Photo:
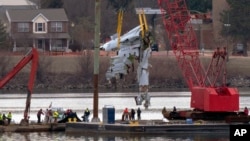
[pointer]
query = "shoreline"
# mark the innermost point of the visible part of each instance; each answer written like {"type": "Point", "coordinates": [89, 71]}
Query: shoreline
{"type": "Point", "coordinates": [243, 90]}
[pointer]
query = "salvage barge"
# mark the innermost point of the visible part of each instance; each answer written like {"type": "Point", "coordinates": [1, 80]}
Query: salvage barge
{"type": "Point", "coordinates": [147, 127]}
{"type": "Point", "coordinates": [33, 128]}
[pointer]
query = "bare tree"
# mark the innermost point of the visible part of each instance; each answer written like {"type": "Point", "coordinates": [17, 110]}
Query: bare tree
{"type": "Point", "coordinates": [82, 33]}
{"type": "Point", "coordinates": [43, 69]}
{"type": "Point", "coordinates": [4, 61]}
{"type": "Point", "coordinates": [85, 66]}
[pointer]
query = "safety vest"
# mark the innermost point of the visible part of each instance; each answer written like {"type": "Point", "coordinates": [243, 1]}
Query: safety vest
{"type": "Point", "coordinates": [55, 114]}
{"type": "Point", "coordinates": [1, 117]}
{"type": "Point", "coordinates": [9, 116]}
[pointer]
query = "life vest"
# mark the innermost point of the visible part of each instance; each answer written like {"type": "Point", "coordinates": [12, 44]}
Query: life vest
{"type": "Point", "coordinates": [126, 110]}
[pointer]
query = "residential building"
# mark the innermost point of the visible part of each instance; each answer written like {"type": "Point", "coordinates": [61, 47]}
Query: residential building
{"type": "Point", "coordinates": [14, 4]}
{"type": "Point", "coordinates": [45, 29]}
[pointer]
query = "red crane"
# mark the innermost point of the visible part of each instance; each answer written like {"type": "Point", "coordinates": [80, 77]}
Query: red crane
{"type": "Point", "coordinates": [30, 56]}
{"type": "Point", "coordinates": [209, 92]}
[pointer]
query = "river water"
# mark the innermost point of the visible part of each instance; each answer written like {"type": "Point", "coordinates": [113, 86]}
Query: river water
{"type": "Point", "coordinates": [79, 101]}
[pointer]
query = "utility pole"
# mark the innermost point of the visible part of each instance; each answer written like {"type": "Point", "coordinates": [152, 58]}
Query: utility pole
{"type": "Point", "coordinates": [227, 25]}
{"type": "Point", "coordinates": [96, 60]}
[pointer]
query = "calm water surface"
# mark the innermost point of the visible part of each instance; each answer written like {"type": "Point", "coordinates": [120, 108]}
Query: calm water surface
{"type": "Point", "coordinates": [79, 101]}
{"type": "Point", "coordinates": [61, 136]}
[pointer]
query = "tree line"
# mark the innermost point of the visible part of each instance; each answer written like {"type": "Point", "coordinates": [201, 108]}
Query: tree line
{"type": "Point", "coordinates": [81, 15]}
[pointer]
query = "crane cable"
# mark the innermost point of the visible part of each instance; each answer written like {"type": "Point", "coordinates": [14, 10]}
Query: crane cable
{"type": "Point", "coordinates": [119, 26]}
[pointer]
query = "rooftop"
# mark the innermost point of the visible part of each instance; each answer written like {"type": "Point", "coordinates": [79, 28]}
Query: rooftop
{"type": "Point", "coordinates": [30, 14]}
{"type": "Point", "coordinates": [15, 2]}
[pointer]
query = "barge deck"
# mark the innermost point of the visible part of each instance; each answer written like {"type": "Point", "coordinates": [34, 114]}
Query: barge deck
{"type": "Point", "coordinates": [33, 128]}
{"type": "Point", "coordinates": [147, 127]}
{"type": "Point", "coordinates": [127, 127]}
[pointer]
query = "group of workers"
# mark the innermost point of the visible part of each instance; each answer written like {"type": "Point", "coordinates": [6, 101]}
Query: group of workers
{"type": "Point", "coordinates": [125, 116]}
{"type": "Point", "coordinates": [5, 120]}
{"type": "Point", "coordinates": [49, 116]}
{"type": "Point", "coordinates": [131, 115]}
{"type": "Point", "coordinates": [52, 116]}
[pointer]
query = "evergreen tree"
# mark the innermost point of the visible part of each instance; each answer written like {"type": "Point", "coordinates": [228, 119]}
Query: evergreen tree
{"type": "Point", "coordinates": [236, 22]}
{"type": "Point", "coordinates": [51, 3]}
{"type": "Point", "coordinates": [199, 5]}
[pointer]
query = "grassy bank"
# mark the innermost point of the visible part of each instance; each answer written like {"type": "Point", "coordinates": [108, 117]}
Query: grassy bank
{"type": "Point", "coordinates": [75, 72]}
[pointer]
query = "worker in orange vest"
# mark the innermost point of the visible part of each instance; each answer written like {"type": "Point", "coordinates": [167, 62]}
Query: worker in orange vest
{"type": "Point", "coordinates": [246, 111]}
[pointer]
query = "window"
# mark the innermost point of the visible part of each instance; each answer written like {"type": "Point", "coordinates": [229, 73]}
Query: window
{"type": "Point", "coordinates": [56, 27]}
{"type": "Point", "coordinates": [59, 43]}
{"type": "Point", "coordinates": [23, 27]}
{"type": "Point", "coordinates": [40, 27]}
